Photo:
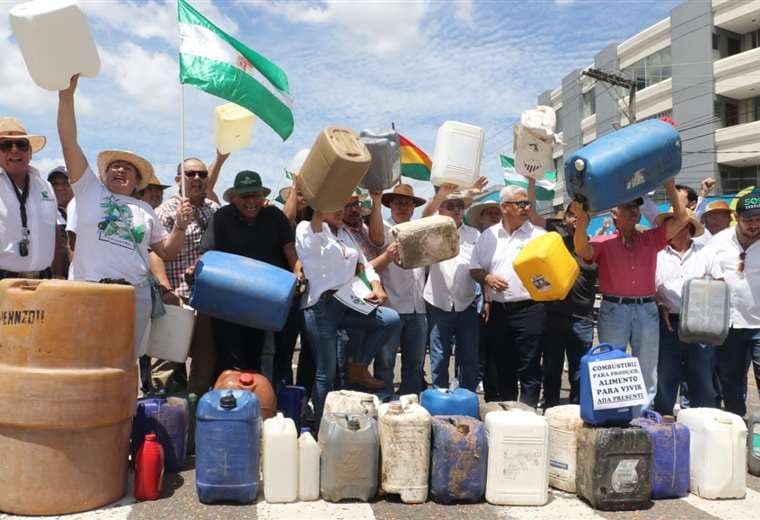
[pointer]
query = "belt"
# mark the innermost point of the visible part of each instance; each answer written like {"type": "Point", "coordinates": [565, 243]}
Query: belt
{"type": "Point", "coordinates": [34, 275]}
{"type": "Point", "coordinates": [621, 299]}
{"type": "Point", "coordinates": [516, 306]}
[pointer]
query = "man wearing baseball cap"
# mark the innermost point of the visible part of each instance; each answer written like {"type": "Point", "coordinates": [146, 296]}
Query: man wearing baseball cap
{"type": "Point", "coordinates": [737, 250]}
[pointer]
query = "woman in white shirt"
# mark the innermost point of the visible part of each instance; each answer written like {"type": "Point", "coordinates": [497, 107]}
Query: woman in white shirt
{"type": "Point", "coordinates": [331, 259]}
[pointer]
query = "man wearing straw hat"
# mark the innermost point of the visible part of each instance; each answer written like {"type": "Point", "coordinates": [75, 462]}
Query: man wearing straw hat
{"type": "Point", "coordinates": [115, 230]}
{"type": "Point", "coordinates": [716, 217]}
{"type": "Point", "coordinates": [153, 193]}
{"type": "Point", "coordinates": [30, 247]}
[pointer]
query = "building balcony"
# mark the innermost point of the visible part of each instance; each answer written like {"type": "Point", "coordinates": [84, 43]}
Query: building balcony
{"type": "Point", "coordinates": [588, 129]}
{"type": "Point", "coordinates": [648, 41]}
{"type": "Point", "coordinates": [739, 16]}
{"type": "Point", "coordinates": [738, 145]}
{"type": "Point", "coordinates": [738, 76]}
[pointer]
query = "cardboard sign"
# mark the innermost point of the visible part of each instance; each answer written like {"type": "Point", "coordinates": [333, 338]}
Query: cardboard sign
{"type": "Point", "coordinates": [617, 383]}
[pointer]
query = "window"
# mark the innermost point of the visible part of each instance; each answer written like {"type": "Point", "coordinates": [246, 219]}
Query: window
{"type": "Point", "coordinates": [558, 114]}
{"type": "Point", "coordinates": [734, 46]}
{"type": "Point", "coordinates": [589, 104]}
{"type": "Point", "coordinates": [650, 70]}
{"type": "Point", "coordinates": [715, 42]}
{"type": "Point", "coordinates": [756, 111]}
{"type": "Point", "coordinates": [754, 39]}
{"type": "Point", "coordinates": [732, 114]}
{"type": "Point", "coordinates": [736, 179]}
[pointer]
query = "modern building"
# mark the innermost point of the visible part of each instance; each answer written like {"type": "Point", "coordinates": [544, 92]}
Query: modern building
{"type": "Point", "coordinates": [701, 67]}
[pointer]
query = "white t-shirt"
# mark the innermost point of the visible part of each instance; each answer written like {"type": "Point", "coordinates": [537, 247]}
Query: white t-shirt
{"type": "Point", "coordinates": [449, 283]}
{"type": "Point", "coordinates": [113, 233]}
{"type": "Point", "coordinates": [673, 270]}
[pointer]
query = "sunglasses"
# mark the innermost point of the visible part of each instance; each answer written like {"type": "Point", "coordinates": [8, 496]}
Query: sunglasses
{"type": "Point", "coordinates": [190, 174]}
{"type": "Point", "coordinates": [22, 145]}
{"type": "Point", "coordinates": [454, 204]}
{"type": "Point", "coordinates": [522, 204]}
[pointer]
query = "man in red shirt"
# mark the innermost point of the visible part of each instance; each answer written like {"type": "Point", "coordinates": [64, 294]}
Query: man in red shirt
{"type": "Point", "coordinates": [627, 262]}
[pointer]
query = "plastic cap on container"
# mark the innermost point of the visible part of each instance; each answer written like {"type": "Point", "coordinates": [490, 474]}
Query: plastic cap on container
{"type": "Point", "coordinates": [580, 165]}
{"type": "Point", "coordinates": [150, 437]}
{"type": "Point", "coordinates": [305, 429]}
{"type": "Point", "coordinates": [228, 401]}
{"type": "Point", "coordinates": [246, 379]}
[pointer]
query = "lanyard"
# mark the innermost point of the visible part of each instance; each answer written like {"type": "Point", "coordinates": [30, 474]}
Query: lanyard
{"type": "Point", "coordinates": [22, 196]}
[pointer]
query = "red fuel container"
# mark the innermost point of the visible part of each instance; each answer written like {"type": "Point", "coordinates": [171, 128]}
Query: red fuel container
{"type": "Point", "coordinates": [149, 469]}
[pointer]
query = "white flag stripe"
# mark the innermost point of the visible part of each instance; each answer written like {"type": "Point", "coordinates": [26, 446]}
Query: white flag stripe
{"type": "Point", "coordinates": [196, 40]}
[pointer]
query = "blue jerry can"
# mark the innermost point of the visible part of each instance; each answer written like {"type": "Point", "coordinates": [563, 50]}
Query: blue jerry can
{"type": "Point", "coordinates": [623, 165]}
{"type": "Point", "coordinates": [459, 459]}
{"type": "Point", "coordinates": [168, 418]}
{"type": "Point", "coordinates": [670, 454]}
{"type": "Point", "coordinates": [612, 416]}
{"type": "Point", "coordinates": [442, 401]}
{"type": "Point", "coordinates": [290, 402]}
{"type": "Point", "coordinates": [227, 437]}
{"type": "Point", "coordinates": [242, 290]}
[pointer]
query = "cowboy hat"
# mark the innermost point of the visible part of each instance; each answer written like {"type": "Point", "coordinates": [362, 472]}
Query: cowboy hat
{"type": "Point", "coordinates": [699, 229]}
{"type": "Point", "coordinates": [401, 190]}
{"type": "Point", "coordinates": [144, 168]}
{"type": "Point", "coordinates": [11, 128]}
{"type": "Point", "coordinates": [472, 217]}
{"type": "Point", "coordinates": [154, 181]}
{"type": "Point", "coordinates": [716, 206]}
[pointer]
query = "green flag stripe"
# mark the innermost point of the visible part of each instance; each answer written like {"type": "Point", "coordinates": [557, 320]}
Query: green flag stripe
{"type": "Point", "coordinates": [415, 171]}
{"type": "Point", "coordinates": [221, 79]}
{"type": "Point", "coordinates": [275, 75]}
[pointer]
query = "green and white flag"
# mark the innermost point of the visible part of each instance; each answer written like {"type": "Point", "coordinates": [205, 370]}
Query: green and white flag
{"type": "Point", "coordinates": [217, 63]}
{"type": "Point", "coordinates": [544, 187]}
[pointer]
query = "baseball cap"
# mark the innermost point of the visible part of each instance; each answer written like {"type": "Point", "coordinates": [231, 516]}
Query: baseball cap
{"type": "Point", "coordinates": [748, 205]}
{"type": "Point", "coordinates": [60, 170]}
{"type": "Point", "coordinates": [248, 181]}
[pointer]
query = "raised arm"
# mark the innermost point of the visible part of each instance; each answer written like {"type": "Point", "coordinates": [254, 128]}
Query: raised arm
{"type": "Point", "coordinates": [444, 190]}
{"type": "Point", "coordinates": [213, 174]}
{"type": "Point", "coordinates": [73, 156]}
{"type": "Point", "coordinates": [376, 228]}
{"type": "Point", "coordinates": [680, 215]}
{"type": "Point", "coordinates": [580, 238]}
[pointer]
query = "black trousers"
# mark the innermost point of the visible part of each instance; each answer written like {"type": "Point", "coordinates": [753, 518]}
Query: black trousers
{"type": "Point", "coordinates": [513, 343]}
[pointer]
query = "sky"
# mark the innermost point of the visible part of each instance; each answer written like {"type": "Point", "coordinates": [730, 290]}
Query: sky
{"type": "Point", "coordinates": [356, 64]}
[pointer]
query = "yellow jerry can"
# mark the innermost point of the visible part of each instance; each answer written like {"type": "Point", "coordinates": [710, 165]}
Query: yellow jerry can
{"type": "Point", "coordinates": [546, 268]}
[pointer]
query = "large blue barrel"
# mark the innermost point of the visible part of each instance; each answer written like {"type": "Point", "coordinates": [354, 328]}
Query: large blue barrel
{"type": "Point", "coordinates": [459, 456]}
{"type": "Point", "coordinates": [227, 447]}
{"type": "Point", "coordinates": [439, 401]}
{"type": "Point", "coordinates": [242, 290]}
{"type": "Point", "coordinates": [612, 416]}
{"type": "Point", "coordinates": [623, 165]}
{"type": "Point", "coordinates": [670, 454]}
{"type": "Point", "coordinates": [168, 418]}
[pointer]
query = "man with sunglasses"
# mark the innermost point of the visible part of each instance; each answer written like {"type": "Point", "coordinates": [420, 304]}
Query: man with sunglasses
{"type": "Point", "coordinates": [737, 250]}
{"type": "Point", "coordinates": [515, 322]}
{"type": "Point", "coordinates": [30, 246]}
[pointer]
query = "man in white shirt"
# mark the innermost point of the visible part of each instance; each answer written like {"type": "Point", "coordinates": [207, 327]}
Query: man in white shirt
{"type": "Point", "coordinates": [30, 247]}
{"type": "Point", "coordinates": [682, 259]}
{"type": "Point", "coordinates": [404, 288]}
{"type": "Point", "coordinates": [737, 251]}
{"type": "Point", "coordinates": [515, 322]}
{"type": "Point", "coordinates": [452, 298]}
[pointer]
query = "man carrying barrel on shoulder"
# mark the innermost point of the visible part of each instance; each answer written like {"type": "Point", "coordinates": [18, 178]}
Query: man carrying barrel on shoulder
{"type": "Point", "coordinates": [627, 262]}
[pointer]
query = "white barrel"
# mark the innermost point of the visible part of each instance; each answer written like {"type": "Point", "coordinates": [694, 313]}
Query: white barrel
{"type": "Point", "coordinates": [233, 127]}
{"type": "Point", "coordinates": [55, 40]}
{"type": "Point", "coordinates": [171, 334]}
{"type": "Point", "coordinates": [309, 453]}
{"type": "Point", "coordinates": [457, 155]}
{"type": "Point", "coordinates": [564, 423]}
{"type": "Point", "coordinates": [280, 460]}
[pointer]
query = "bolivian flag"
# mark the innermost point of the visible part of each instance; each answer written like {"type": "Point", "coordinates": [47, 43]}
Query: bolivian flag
{"type": "Point", "coordinates": [414, 162]}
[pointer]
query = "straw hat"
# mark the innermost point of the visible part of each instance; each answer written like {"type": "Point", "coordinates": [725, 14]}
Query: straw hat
{"type": "Point", "coordinates": [144, 168]}
{"type": "Point", "coordinates": [472, 217]}
{"type": "Point", "coordinates": [401, 190]}
{"type": "Point", "coordinates": [717, 206]}
{"type": "Point", "coordinates": [699, 229]}
{"type": "Point", "coordinates": [11, 128]}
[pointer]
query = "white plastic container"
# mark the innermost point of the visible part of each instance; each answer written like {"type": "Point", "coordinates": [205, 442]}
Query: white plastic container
{"type": "Point", "coordinates": [718, 453]}
{"type": "Point", "coordinates": [351, 402]}
{"type": "Point", "coordinates": [55, 40]}
{"type": "Point", "coordinates": [233, 127]}
{"type": "Point", "coordinates": [280, 460]}
{"type": "Point", "coordinates": [308, 466]}
{"type": "Point", "coordinates": [171, 334]}
{"type": "Point", "coordinates": [518, 459]}
{"type": "Point", "coordinates": [457, 155]}
{"type": "Point", "coordinates": [564, 423]}
{"type": "Point", "coordinates": [405, 447]}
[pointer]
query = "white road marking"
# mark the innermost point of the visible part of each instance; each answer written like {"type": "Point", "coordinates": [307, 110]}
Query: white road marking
{"type": "Point", "coordinates": [316, 510]}
{"type": "Point", "coordinates": [561, 505]}
{"type": "Point", "coordinates": [735, 509]}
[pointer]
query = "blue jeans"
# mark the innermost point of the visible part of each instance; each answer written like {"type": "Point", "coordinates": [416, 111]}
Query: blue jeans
{"type": "Point", "coordinates": [678, 361]}
{"type": "Point", "coordinates": [446, 329]}
{"type": "Point", "coordinates": [639, 325]}
{"type": "Point", "coordinates": [741, 347]}
{"type": "Point", "coordinates": [564, 335]}
{"type": "Point", "coordinates": [322, 321]}
{"type": "Point", "coordinates": [411, 336]}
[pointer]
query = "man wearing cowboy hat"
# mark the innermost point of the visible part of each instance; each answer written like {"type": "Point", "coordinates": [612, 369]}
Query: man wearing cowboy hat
{"type": "Point", "coordinates": [153, 193]}
{"type": "Point", "coordinates": [716, 217]}
{"type": "Point", "coordinates": [680, 261]}
{"type": "Point", "coordinates": [404, 288]}
{"type": "Point", "coordinates": [30, 247]}
{"type": "Point", "coordinates": [247, 227]}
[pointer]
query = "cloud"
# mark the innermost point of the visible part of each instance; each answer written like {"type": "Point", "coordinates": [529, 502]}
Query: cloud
{"type": "Point", "coordinates": [45, 164]}
{"type": "Point", "coordinates": [463, 10]}
{"type": "Point", "coordinates": [564, 2]}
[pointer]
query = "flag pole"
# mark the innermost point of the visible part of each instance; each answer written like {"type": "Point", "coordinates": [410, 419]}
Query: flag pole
{"type": "Point", "coordinates": [181, 139]}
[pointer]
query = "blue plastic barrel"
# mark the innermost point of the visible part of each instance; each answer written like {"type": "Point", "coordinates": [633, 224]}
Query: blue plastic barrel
{"type": "Point", "coordinates": [168, 418]}
{"type": "Point", "coordinates": [670, 454]}
{"type": "Point", "coordinates": [459, 450]}
{"type": "Point", "coordinates": [440, 401]}
{"type": "Point", "coordinates": [227, 436]}
{"type": "Point", "coordinates": [290, 401]}
{"type": "Point", "coordinates": [242, 290]}
{"type": "Point", "coordinates": [623, 165]}
{"type": "Point", "coordinates": [611, 416]}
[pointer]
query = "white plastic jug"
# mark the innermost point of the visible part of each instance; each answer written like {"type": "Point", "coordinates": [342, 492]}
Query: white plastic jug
{"type": "Point", "coordinates": [308, 466]}
{"type": "Point", "coordinates": [518, 459]}
{"type": "Point", "coordinates": [351, 402]}
{"type": "Point", "coordinates": [718, 452]}
{"type": "Point", "coordinates": [55, 40]}
{"type": "Point", "coordinates": [171, 334]}
{"type": "Point", "coordinates": [233, 127]}
{"type": "Point", "coordinates": [405, 446]}
{"type": "Point", "coordinates": [564, 423]}
{"type": "Point", "coordinates": [280, 460]}
{"type": "Point", "coordinates": [457, 155]}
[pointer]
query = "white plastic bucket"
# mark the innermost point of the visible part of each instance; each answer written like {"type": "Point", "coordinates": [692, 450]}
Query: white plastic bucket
{"type": "Point", "coordinates": [171, 334]}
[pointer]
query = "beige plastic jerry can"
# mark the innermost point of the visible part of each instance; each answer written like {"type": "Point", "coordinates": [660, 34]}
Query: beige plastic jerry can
{"type": "Point", "coordinates": [233, 127]}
